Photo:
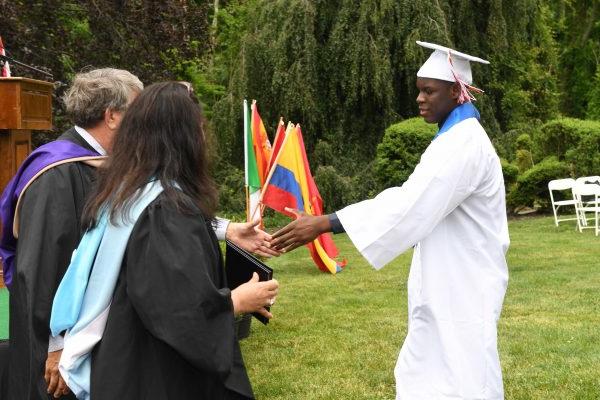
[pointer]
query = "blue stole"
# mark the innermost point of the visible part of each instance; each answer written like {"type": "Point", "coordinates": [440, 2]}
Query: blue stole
{"type": "Point", "coordinates": [82, 301]}
{"type": "Point", "coordinates": [459, 114]}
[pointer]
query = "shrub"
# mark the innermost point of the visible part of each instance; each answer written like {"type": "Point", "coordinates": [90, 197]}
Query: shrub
{"type": "Point", "coordinates": [510, 172]}
{"type": "Point", "coordinates": [524, 142]}
{"type": "Point", "coordinates": [323, 153]}
{"type": "Point", "coordinates": [585, 158]}
{"type": "Point", "coordinates": [532, 186]}
{"type": "Point", "coordinates": [232, 198]}
{"type": "Point", "coordinates": [523, 160]}
{"type": "Point", "coordinates": [400, 150]}
{"type": "Point", "coordinates": [333, 187]}
{"type": "Point", "coordinates": [559, 136]}
{"type": "Point", "coordinates": [519, 137]}
{"type": "Point", "coordinates": [363, 185]}
{"type": "Point", "coordinates": [593, 107]}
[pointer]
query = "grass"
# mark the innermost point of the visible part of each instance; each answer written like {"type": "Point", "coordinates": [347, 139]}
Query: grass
{"type": "Point", "coordinates": [338, 337]}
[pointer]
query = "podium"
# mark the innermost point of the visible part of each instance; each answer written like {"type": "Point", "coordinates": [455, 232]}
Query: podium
{"type": "Point", "coordinates": [25, 106]}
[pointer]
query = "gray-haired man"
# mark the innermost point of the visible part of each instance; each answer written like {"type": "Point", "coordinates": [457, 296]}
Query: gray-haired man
{"type": "Point", "coordinates": [49, 229]}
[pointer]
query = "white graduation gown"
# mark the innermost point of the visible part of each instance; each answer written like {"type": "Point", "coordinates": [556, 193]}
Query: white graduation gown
{"type": "Point", "coordinates": [452, 209]}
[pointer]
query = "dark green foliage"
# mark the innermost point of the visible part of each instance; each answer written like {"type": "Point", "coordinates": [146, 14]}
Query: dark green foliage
{"type": "Point", "coordinates": [232, 197]}
{"type": "Point", "coordinates": [339, 190]}
{"type": "Point", "coordinates": [562, 136]}
{"type": "Point", "coordinates": [523, 160]}
{"type": "Point", "coordinates": [364, 184]}
{"type": "Point", "coordinates": [155, 40]}
{"type": "Point", "coordinates": [593, 109]}
{"type": "Point", "coordinates": [400, 150]}
{"type": "Point", "coordinates": [346, 69]}
{"type": "Point", "coordinates": [585, 157]}
{"type": "Point", "coordinates": [524, 142]}
{"type": "Point", "coordinates": [532, 186]}
{"type": "Point", "coordinates": [333, 187]}
{"type": "Point", "coordinates": [577, 32]}
{"type": "Point", "coordinates": [510, 172]}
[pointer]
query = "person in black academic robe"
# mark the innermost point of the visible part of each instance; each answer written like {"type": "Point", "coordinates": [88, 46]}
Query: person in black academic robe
{"type": "Point", "coordinates": [50, 228]}
{"type": "Point", "coordinates": [170, 330]}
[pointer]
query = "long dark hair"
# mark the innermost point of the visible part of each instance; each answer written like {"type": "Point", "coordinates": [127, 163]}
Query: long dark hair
{"type": "Point", "coordinates": [160, 137]}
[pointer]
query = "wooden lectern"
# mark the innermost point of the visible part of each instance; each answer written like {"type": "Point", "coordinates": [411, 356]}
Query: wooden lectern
{"type": "Point", "coordinates": [25, 106]}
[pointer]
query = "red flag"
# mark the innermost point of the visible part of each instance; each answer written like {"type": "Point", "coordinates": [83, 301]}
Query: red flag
{"type": "Point", "coordinates": [279, 136]}
{"type": "Point", "coordinates": [5, 68]}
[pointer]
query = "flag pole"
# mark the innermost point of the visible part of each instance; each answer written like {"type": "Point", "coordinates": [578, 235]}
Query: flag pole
{"type": "Point", "coordinates": [245, 105]}
{"type": "Point", "coordinates": [276, 136]}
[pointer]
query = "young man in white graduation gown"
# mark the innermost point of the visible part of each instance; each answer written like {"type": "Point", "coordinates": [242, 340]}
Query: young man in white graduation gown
{"type": "Point", "coordinates": [452, 210]}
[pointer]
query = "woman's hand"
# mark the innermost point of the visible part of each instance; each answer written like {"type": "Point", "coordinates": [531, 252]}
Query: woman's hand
{"type": "Point", "coordinates": [254, 296]}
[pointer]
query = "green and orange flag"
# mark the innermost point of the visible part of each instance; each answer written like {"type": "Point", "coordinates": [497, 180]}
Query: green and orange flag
{"type": "Point", "coordinates": [257, 154]}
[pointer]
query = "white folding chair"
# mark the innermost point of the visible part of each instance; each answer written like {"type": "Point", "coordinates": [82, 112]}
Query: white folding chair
{"type": "Point", "coordinates": [561, 185]}
{"type": "Point", "coordinates": [588, 201]}
{"type": "Point", "coordinates": [587, 179]}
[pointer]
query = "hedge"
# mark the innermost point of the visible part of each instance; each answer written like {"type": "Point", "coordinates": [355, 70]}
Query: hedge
{"type": "Point", "coordinates": [400, 150]}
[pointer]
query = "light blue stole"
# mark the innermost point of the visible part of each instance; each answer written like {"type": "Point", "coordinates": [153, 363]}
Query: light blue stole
{"type": "Point", "coordinates": [83, 298]}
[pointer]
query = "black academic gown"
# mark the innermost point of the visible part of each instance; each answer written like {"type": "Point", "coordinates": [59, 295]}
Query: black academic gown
{"type": "Point", "coordinates": [170, 330]}
{"type": "Point", "coordinates": [50, 229]}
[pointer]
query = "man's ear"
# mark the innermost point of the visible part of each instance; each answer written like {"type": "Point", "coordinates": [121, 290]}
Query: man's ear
{"type": "Point", "coordinates": [111, 119]}
{"type": "Point", "coordinates": [455, 91]}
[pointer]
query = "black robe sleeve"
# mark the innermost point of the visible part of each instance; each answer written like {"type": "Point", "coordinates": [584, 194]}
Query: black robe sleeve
{"type": "Point", "coordinates": [176, 285]}
{"type": "Point", "coordinates": [50, 214]}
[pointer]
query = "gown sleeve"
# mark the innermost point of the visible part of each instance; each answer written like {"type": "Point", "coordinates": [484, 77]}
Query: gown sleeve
{"type": "Point", "coordinates": [49, 232]}
{"type": "Point", "coordinates": [398, 218]}
{"type": "Point", "coordinates": [172, 281]}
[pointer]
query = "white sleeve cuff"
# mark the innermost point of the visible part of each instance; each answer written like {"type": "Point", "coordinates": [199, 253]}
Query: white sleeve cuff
{"type": "Point", "coordinates": [221, 227]}
{"type": "Point", "coordinates": [55, 343]}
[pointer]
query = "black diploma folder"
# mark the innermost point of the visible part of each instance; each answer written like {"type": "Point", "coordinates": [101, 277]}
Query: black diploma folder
{"type": "Point", "coordinates": [239, 266]}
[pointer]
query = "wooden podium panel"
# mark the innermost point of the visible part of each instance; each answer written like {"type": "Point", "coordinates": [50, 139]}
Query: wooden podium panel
{"type": "Point", "coordinates": [15, 146]}
{"type": "Point", "coordinates": [25, 105]}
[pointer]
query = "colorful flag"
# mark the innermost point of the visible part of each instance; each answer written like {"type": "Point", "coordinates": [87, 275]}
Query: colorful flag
{"type": "Point", "coordinates": [5, 68]}
{"type": "Point", "coordinates": [252, 178]}
{"type": "Point", "coordinates": [290, 184]}
{"type": "Point", "coordinates": [261, 144]}
{"type": "Point", "coordinates": [279, 136]}
{"type": "Point", "coordinates": [257, 152]}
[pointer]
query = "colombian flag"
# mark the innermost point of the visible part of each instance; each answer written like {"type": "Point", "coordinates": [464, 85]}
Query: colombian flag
{"type": "Point", "coordinates": [292, 185]}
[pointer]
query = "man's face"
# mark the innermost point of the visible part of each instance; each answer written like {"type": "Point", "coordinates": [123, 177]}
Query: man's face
{"type": "Point", "coordinates": [436, 99]}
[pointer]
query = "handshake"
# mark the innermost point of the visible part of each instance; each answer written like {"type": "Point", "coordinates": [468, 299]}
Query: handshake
{"type": "Point", "coordinates": [304, 229]}
{"type": "Point", "coordinates": [255, 296]}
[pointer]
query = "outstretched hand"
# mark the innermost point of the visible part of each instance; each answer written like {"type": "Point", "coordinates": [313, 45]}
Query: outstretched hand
{"type": "Point", "coordinates": [251, 238]}
{"type": "Point", "coordinates": [304, 229]}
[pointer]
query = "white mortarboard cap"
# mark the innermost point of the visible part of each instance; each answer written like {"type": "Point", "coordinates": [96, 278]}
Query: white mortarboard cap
{"type": "Point", "coordinates": [438, 64]}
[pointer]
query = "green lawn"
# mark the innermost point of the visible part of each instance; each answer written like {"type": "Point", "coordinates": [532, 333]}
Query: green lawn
{"type": "Point", "coordinates": [337, 337]}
